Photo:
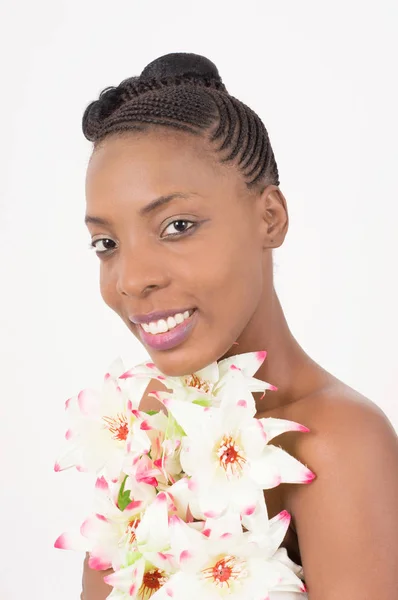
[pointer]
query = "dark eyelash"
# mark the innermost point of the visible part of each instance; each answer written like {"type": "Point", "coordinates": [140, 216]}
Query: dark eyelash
{"type": "Point", "coordinates": [180, 233]}
{"type": "Point", "coordinates": [177, 234]}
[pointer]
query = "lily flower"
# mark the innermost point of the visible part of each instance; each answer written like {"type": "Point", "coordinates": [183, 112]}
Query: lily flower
{"type": "Point", "coordinates": [226, 452]}
{"type": "Point", "coordinates": [146, 570]}
{"type": "Point", "coordinates": [208, 384]}
{"type": "Point", "coordinates": [227, 562]}
{"type": "Point", "coordinates": [100, 422]}
{"type": "Point", "coordinates": [111, 531]}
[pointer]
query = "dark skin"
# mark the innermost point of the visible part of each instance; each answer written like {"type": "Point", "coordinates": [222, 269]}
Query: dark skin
{"type": "Point", "coordinates": [345, 523]}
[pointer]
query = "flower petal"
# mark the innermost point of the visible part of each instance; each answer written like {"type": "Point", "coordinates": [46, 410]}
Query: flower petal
{"type": "Point", "coordinates": [274, 427]}
{"type": "Point", "coordinates": [276, 466]}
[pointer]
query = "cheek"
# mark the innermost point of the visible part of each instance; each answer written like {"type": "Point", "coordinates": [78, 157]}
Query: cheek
{"type": "Point", "coordinates": [108, 288]}
{"type": "Point", "coordinates": [232, 281]}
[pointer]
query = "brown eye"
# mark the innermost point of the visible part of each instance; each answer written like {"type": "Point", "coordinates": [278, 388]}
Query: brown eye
{"type": "Point", "coordinates": [181, 226]}
{"type": "Point", "coordinates": [106, 243]}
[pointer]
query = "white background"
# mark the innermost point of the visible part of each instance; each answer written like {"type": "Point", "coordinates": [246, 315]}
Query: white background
{"type": "Point", "coordinates": [322, 76]}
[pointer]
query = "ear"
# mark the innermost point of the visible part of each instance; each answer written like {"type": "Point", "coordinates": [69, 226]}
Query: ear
{"type": "Point", "coordinates": [274, 216]}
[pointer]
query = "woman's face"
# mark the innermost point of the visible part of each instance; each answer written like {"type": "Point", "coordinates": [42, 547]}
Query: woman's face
{"type": "Point", "coordinates": [211, 260]}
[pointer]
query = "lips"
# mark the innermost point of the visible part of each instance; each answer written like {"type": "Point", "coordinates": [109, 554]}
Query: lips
{"type": "Point", "coordinates": [171, 338]}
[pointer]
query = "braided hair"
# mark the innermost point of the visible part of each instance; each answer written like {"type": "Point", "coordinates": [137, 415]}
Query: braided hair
{"type": "Point", "coordinates": [185, 92]}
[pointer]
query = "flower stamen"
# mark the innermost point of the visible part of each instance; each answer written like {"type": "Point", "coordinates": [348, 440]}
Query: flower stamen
{"type": "Point", "coordinates": [152, 582]}
{"type": "Point", "coordinates": [230, 455]}
{"type": "Point", "coordinates": [118, 426]}
{"type": "Point", "coordinates": [226, 571]}
{"type": "Point", "coordinates": [198, 383]}
{"type": "Point", "coordinates": [131, 527]}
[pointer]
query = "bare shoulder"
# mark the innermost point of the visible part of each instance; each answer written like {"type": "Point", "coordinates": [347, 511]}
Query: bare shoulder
{"type": "Point", "coordinates": [346, 518]}
{"type": "Point", "coordinates": [337, 416]}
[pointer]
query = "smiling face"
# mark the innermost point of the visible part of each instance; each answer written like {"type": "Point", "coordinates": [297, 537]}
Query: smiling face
{"type": "Point", "coordinates": [204, 249]}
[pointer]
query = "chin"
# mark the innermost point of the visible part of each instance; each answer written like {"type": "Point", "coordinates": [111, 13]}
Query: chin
{"type": "Point", "coordinates": [179, 362]}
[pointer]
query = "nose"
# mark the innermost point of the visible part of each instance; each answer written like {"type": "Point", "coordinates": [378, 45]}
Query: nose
{"type": "Point", "coordinates": [139, 273]}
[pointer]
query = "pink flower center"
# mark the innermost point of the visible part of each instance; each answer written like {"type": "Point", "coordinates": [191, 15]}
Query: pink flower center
{"type": "Point", "coordinates": [152, 582]}
{"type": "Point", "coordinates": [230, 455]}
{"type": "Point", "coordinates": [118, 426]}
{"type": "Point", "coordinates": [226, 570]}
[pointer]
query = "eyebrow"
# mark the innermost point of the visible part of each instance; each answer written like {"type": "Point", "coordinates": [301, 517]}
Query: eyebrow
{"type": "Point", "coordinates": [145, 210]}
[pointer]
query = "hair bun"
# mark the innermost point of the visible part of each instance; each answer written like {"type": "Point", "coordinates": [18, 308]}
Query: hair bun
{"type": "Point", "coordinates": [182, 64]}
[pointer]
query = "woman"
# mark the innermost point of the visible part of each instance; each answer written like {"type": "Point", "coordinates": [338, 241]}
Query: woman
{"type": "Point", "coordinates": [184, 210]}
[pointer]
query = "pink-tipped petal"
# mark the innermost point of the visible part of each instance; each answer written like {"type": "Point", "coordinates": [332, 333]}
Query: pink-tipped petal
{"type": "Point", "coordinates": [102, 484]}
{"type": "Point", "coordinates": [175, 520]}
{"type": "Point", "coordinates": [61, 542]}
{"type": "Point", "coordinates": [134, 505]}
{"type": "Point", "coordinates": [249, 510]}
{"type": "Point", "coordinates": [192, 485]}
{"type": "Point", "coordinates": [210, 514]}
{"type": "Point", "coordinates": [206, 532]}
{"type": "Point", "coordinates": [101, 517]}
{"type": "Point", "coordinates": [242, 403]}
{"type": "Point", "coordinates": [127, 374]}
{"type": "Point", "coordinates": [71, 541]}
{"type": "Point", "coordinates": [57, 467]}
{"type": "Point", "coordinates": [285, 516]}
{"type": "Point", "coordinates": [262, 430]}
{"type": "Point", "coordinates": [185, 555]}
{"type": "Point", "coordinates": [145, 426]}
{"type": "Point", "coordinates": [82, 469]}
{"type": "Point", "coordinates": [165, 556]}
{"type": "Point", "coordinates": [310, 476]}
{"type": "Point", "coordinates": [97, 564]}
{"type": "Point", "coordinates": [261, 355]}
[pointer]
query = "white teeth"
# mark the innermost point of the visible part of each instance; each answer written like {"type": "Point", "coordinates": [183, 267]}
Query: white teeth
{"type": "Point", "coordinates": [171, 323]}
{"type": "Point", "coordinates": [163, 325]}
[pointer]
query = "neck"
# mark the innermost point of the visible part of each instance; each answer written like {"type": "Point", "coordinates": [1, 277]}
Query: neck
{"type": "Point", "coordinates": [287, 365]}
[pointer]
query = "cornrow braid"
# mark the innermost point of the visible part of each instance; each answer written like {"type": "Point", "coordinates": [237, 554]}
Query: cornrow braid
{"type": "Point", "coordinates": [185, 91]}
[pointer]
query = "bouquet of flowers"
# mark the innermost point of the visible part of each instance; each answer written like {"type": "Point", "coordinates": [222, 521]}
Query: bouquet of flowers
{"type": "Point", "coordinates": [179, 509]}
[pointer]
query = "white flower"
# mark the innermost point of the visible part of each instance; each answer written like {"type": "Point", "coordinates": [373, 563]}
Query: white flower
{"type": "Point", "coordinates": [99, 425]}
{"type": "Point", "coordinates": [151, 565]}
{"type": "Point", "coordinates": [227, 562]}
{"type": "Point", "coordinates": [209, 384]}
{"type": "Point", "coordinates": [227, 453]}
{"type": "Point", "coordinates": [111, 531]}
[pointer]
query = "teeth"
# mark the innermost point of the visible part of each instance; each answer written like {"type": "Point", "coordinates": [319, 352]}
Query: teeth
{"type": "Point", "coordinates": [163, 325]}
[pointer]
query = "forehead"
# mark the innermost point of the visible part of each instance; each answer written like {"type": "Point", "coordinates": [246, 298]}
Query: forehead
{"type": "Point", "coordinates": [149, 164]}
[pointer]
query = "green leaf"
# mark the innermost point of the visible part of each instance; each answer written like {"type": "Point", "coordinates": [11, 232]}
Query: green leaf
{"type": "Point", "coordinates": [173, 428]}
{"type": "Point", "coordinates": [131, 557]}
{"type": "Point", "coordinates": [202, 402]}
{"type": "Point", "coordinates": [123, 498]}
{"type": "Point", "coordinates": [152, 412]}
